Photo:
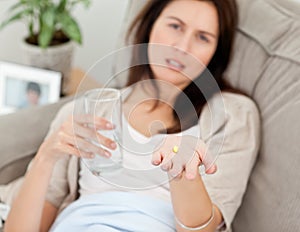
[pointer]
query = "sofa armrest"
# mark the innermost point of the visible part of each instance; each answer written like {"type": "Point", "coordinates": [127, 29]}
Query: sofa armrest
{"type": "Point", "coordinates": [21, 135]}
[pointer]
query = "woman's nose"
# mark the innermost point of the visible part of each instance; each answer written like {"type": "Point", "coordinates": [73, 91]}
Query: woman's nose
{"type": "Point", "coordinates": [183, 43]}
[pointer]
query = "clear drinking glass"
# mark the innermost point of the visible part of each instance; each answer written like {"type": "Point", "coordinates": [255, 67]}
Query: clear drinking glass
{"type": "Point", "coordinates": [106, 103]}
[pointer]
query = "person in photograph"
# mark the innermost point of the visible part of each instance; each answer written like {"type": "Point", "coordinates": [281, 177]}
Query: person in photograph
{"type": "Point", "coordinates": [59, 193]}
{"type": "Point", "coordinates": [33, 94]}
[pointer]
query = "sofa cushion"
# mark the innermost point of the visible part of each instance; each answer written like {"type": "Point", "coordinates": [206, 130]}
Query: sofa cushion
{"type": "Point", "coordinates": [21, 135]}
{"type": "Point", "coordinates": [266, 65]}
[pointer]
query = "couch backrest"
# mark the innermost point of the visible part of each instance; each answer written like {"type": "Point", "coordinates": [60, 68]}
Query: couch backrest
{"type": "Point", "coordinates": [266, 65]}
{"type": "Point", "coordinates": [21, 135]}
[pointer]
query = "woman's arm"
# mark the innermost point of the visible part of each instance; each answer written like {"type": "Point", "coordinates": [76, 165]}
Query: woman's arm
{"type": "Point", "coordinates": [30, 211]}
{"type": "Point", "coordinates": [192, 204]}
{"type": "Point", "coordinates": [48, 216]}
{"type": "Point", "coordinates": [29, 207]}
{"type": "Point", "coordinates": [193, 195]}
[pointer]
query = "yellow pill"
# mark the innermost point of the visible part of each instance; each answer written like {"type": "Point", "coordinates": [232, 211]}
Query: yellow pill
{"type": "Point", "coordinates": [175, 149]}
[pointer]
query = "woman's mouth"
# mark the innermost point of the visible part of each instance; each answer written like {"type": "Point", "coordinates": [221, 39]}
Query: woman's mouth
{"type": "Point", "coordinates": [175, 65]}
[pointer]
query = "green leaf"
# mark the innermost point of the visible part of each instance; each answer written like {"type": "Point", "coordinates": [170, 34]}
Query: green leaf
{"type": "Point", "coordinates": [15, 17]}
{"type": "Point", "coordinates": [17, 5]}
{"type": "Point", "coordinates": [48, 17]}
{"type": "Point", "coordinates": [37, 3]}
{"type": "Point", "coordinates": [47, 27]}
{"type": "Point", "coordinates": [30, 28]}
{"type": "Point", "coordinates": [86, 3]}
{"type": "Point", "coordinates": [62, 6]}
{"type": "Point", "coordinates": [70, 27]}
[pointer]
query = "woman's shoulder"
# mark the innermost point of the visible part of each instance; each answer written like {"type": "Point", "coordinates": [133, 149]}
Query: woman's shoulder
{"type": "Point", "coordinates": [230, 110]}
{"type": "Point", "coordinates": [228, 103]}
{"type": "Point", "coordinates": [235, 101]}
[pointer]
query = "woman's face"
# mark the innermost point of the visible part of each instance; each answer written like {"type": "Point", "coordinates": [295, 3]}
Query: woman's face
{"type": "Point", "coordinates": [189, 30]}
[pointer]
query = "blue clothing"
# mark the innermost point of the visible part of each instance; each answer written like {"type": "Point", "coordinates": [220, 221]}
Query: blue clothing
{"type": "Point", "coordinates": [116, 211]}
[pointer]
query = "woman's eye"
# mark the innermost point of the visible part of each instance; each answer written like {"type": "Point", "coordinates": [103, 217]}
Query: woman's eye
{"type": "Point", "coordinates": [174, 26]}
{"type": "Point", "coordinates": [203, 38]}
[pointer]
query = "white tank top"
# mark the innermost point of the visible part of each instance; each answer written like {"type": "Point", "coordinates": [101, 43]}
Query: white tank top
{"type": "Point", "coordinates": [142, 176]}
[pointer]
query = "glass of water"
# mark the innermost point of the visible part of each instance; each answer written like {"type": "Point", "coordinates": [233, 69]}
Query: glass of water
{"type": "Point", "coordinates": [106, 103]}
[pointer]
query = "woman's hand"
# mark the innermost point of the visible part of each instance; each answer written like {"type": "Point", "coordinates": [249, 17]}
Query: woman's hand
{"type": "Point", "coordinates": [75, 137]}
{"type": "Point", "coordinates": [183, 153]}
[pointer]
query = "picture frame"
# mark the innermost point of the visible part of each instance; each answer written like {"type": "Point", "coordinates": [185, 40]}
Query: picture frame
{"type": "Point", "coordinates": [24, 86]}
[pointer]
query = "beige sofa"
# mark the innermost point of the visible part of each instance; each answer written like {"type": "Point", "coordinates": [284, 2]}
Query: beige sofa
{"type": "Point", "coordinates": [266, 65]}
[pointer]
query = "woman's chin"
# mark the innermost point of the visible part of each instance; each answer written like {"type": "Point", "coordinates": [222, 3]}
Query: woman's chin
{"type": "Point", "coordinates": [172, 76]}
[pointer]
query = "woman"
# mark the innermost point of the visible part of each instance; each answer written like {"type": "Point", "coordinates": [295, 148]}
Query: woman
{"type": "Point", "coordinates": [193, 31]}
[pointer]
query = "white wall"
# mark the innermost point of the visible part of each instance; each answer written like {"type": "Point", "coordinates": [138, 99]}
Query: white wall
{"type": "Point", "coordinates": [100, 25]}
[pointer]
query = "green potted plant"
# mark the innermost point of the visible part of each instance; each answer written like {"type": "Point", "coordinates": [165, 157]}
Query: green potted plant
{"type": "Point", "coordinates": [51, 32]}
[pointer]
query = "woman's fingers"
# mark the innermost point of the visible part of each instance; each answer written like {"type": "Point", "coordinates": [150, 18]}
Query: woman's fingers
{"type": "Point", "coordinates": [206, 158]}
{"type": "Point", "coordinates": [84, 147]}
{"type": "Point", "coordinates": [166, 166]}
{"type": "Point", "coordinates": [81, 147]}
{"type": "Point", "coordinates": [157, 158]}
{"type": "Point", "coordinates": [91, 133]}
{"type": "Point", "coordinates": [69, 149]}
{"type": "Point", "coordinates": [189, 154]}
{"type": "Point", "coordinates": [81, 130]}
{"type": "Point", "coordinates": [177, 167]}
{"type": "Point", "coordinates": [211, 170]}
{"type": "Point", "coordinates": [192, 167]}
{"type": "Point", "coordinates": [77, 136]}
{"type": "Point", "coordinates": [96, 136]}
{"type": "Point", "coordinates": [107, 142]}
{"type": "Point", "coordinates": [92, 121]}
{"type": "Point", "coordinates": [167, 163]}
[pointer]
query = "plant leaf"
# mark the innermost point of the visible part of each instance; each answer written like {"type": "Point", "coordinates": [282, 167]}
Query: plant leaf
{"type": "Point", "coordinates": [17, 5]}
{"type": "Point", "coordinates": [86, 3]}
{"type": "Point", "coordinates": [70, 27]}
{"type": "Point", "coordinates": [62, 6]}
{"type": "Point", "coordinates": [30, 28]}
{"type": "Point", "coordinates": [15, 17]}
{"type": "Point", "coordinates": [47, 27]}
{"type": "Point", "coordinates": [38, 4]}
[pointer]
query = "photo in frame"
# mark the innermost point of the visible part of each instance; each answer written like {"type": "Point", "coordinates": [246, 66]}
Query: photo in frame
{"type": "Point", "coordinates": [25, 86]}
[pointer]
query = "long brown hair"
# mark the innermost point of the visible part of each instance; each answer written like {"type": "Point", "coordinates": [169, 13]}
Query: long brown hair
{"type": "Point", "coordinates": [140, 30]}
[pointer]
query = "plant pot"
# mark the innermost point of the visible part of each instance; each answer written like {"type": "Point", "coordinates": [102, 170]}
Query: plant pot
{"type": "Point", "coordinates": [57, 58]}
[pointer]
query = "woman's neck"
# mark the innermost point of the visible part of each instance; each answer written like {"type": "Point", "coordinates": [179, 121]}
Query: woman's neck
{"type": "Point", "coordinates": [155, 91]}
{"type": "Point", "coordinates": [146, 113]}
